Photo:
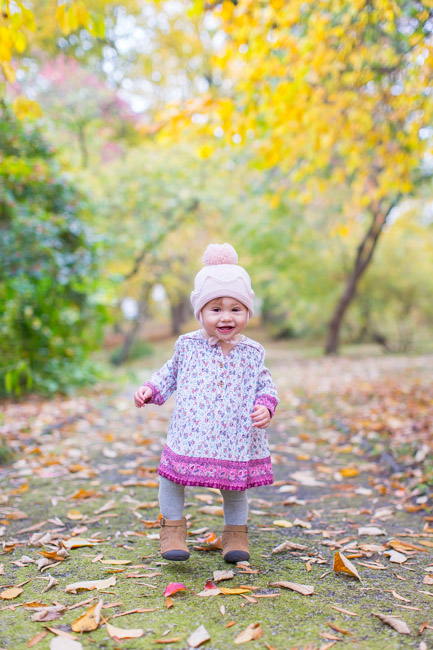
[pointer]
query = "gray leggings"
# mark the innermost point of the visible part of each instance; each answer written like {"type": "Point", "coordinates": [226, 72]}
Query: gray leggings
{"type": "Point", "coordinates": [172, 497]}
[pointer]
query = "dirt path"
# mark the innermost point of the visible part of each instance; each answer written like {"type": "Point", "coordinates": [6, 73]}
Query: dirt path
{"type": "Point", "coordinates": [352, 451]}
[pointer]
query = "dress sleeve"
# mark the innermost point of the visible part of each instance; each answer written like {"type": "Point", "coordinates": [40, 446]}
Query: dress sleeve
{"type": "Point", "coordinates": [266, 394]}
{"type": "Point", "coordinates": [163, 382]}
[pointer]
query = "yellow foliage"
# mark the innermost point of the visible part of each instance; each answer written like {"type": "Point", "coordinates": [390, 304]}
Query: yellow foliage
{"type": "Point", "coordinates": [26, 108]}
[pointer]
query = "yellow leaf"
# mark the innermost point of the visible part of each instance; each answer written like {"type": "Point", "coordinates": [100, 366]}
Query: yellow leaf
{"type": "Point", "coordinates": [349, 472]}
{"type": "Point", "coordinates": [283, 523]}
{"type": "Point", "coordinates": [341, 563]}
{"type": "Point", "coordinates": [233, 592]}
{"type": "Point", "coordinates": [88, 621]}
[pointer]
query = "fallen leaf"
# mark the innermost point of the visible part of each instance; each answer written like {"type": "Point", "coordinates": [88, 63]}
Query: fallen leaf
{"type": "Point", "coordinates": [52, 582]}
{"type": "Point", "coordinates": [393, 621]}
{"type": "Point", "coordinates": [78, 542]}
{"type": "Point", "coordinates": [61, 643]}
{"type": "Point", "coordinates": [12, 592]}
{"type": "Point", "coordinates": [349, 472]}
{"type": "Point", "coordinates": [289, 546]}
{"type": "Point", "coordinates": [341, 563]}
{"type": "Point", "coordinates": [90, 620]}
{"type": "Point", "coordinates": [230, 624]}
{"type": "Point", "coordinates": [38, 637]}
{"type": "Point", "coordinates": [253, 631]}
{"type": "Point", "coordinates": [51, 613]}
{"type": "Point", "coordinates": [222, 575]}
{"type": "Point", "coordinates": [283, 523]}
{"type": "Point", "coordinates": [89, 585]}
{"type": "Point", "coordinates": [212, 510]}
{"type": "Point", "coordinates": [115, 562]}
{"type": "Point", "coordinates": [428, 579]}
{"type": "Point", "coordinates": [396, 557]}
{"type": "Point", "coordinates": [174, 587]}
{"type": "Point", "coordinates": [108, 506]}
{"type": "Point", "coordinates": [396, 595]}
{"type": "Point", "coordinates": [370, 530]}
{"type": "Point", "coordinates": [210, 585]}
{"type": "Point", "coordinates": [344, 611]}
{"type": "Point", "coordinates": [198, 637]}
{"type": "Point", "coordinates": [117, 633]}
{"type": "Point", "coordinates": [74, 515]}
{"type": "Point", "coordinates": [173, 639]}
{"type": "Point", "coordinates": [232, 592]}
{"type": "Point", "coordinates": [168, 603]}
{"type": "Point", "coordinates": [339, 629]}
{"type": "Point", "coordinates": [305, 590]}
{"type": "Point", "coordinates": [209, 592]}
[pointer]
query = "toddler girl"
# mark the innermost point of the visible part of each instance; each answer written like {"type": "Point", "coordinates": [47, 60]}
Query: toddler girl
{"type": "Point", "coordinates": [225, 400]}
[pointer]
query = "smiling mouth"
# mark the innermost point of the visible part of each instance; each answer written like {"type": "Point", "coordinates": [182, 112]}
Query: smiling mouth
{"type": "Point", "coordinates": [225, 329]}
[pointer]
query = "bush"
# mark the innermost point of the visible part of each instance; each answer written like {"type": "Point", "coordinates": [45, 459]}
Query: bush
{"type": "Point", "coordinates": [51, 318]}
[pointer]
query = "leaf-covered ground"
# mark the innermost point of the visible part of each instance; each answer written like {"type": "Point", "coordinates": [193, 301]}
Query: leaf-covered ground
{"type": "Point", "coordinates": [352, 449]}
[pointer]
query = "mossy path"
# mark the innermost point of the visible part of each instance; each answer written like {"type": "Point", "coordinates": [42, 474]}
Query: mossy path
{"type": "Point", "coordinates": [351, 447]}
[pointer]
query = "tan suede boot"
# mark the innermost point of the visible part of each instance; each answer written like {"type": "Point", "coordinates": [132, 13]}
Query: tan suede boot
{"type": "Point", "coordinates": [172, 536]}
{"type": "Point", "coordinates": [235, 544]}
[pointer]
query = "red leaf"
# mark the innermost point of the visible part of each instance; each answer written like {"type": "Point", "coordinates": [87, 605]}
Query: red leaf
{"type": "Point", "coordinates": [173, 587]}
{"type": "Point", "coordinates": [210, 585]}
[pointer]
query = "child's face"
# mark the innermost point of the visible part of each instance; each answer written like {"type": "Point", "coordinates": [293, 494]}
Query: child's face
{"type": "Point", "coordinates": [224, 318]}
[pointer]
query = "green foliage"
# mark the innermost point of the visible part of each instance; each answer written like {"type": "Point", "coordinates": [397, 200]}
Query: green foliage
{"type": "Point", "coordinates": [51, 317]}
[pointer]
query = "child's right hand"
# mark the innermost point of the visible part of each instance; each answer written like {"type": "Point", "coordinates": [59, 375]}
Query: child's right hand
{"type": "Point", "coordinates": [142, 395]}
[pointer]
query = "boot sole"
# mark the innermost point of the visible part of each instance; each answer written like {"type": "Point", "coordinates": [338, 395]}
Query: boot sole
{"type": "Point", "coordinates": [176, 556]}
{"type": "Point", "coordinates": [236, 556]}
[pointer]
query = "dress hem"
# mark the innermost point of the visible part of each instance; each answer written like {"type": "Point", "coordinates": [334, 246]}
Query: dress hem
{"type": "Point", "coordinates": [213, 483]}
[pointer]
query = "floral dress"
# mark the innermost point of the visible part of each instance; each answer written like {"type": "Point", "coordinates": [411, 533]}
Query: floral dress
{"type": "Point", "coordinates": [211, 441]}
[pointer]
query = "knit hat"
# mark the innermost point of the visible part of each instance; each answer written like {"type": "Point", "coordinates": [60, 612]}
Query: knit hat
{"type": "Point", "coordinates": [221, 277]}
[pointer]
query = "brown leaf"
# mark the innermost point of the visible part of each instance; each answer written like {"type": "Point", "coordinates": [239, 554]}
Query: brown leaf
{"type": "Point", "coordinates": [253, 631]}
{"type": "Point", "coordinates": [52, 582]}
{"type": "Point", "coordinates": [173, 639]}
{"type": "Point", "coordinates": [341, 563]}
{"type": "Point", "coordinates": [90, 620]}
{"type": "Point", "coordinates": [48, 613]}
{"type": "Point", "coordinates": [393, 621]}
{"type": "Point", "coordinates": [344, 611]}
{"type": "Point", "coordinates": [38, 637]}
{"type": "Point", "coordinates": [428, 579]}
{"type": "Point", "coordinates": [117, 633]}
{"type": "Point", "coordinates": [199, 636]}
{"type": "Point", "coordinates": [305, 590]}
{"type": "Point", "coordinates": [396, 595]}
{"type": "Point", "coordinates": [289, 546]}
{"type": "Point", "coordinates": [12, 592]}
{"type": "Point", "coordinates": [223, 575]}
{"type": "Point", "coordinates": [168, 602]}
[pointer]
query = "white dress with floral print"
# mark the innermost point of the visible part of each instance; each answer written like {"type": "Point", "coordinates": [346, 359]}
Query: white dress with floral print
{"type": "Point", "coordinates": [211, 441]}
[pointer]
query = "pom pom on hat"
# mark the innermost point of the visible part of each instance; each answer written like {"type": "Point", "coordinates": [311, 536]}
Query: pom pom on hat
{"type": "Point", "coordinates": [219, 254]}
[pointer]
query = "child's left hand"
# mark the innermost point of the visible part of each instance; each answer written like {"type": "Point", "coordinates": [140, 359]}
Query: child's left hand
{"type": "Point", "coordinates": [261, 417]}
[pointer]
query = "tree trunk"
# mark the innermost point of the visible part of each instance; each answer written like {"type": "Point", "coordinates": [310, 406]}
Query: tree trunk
{"type": "Point", "coordinates": [135, 327]}
{"type": "Point", "coordinates": [179, 314]}
{"type": "Point", "coordinates": [363, 258]}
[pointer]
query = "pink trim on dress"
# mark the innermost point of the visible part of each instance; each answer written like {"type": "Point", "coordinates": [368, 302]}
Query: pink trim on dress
{"type": "Point", "coordinates": [268, 401]}
{"type": "Point", "coordinates": [214, 472]}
